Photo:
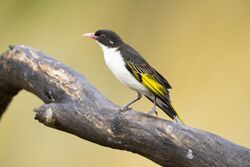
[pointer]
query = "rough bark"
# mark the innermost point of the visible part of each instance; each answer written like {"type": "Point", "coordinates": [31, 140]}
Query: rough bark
{"type": "Point", "coordinates": [73, 105]}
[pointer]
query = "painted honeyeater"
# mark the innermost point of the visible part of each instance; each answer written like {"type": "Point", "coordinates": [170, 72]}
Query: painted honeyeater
{"type": "Point", "coordinates": [135, 72]}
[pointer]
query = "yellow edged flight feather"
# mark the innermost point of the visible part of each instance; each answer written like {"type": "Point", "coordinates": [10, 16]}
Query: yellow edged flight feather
{"type": "Point", "coordinates": [153, 85]}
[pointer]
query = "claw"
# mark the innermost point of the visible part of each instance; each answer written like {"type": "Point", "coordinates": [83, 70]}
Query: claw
{"type": "Point", "coordinates": [153, 112]}
{"type": "Point", "coordinates": [125, 108]}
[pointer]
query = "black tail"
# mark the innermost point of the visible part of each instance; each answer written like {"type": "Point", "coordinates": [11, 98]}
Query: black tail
{"type": "Point", "coordinates": [168, 109]}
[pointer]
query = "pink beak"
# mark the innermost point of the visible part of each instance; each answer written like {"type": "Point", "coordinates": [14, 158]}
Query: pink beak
{"type": "Point", "coordinates": [90, 35]}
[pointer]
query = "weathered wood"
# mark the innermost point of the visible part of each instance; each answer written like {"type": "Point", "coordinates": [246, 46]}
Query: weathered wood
{"type": "Point", "coordinates": [73, 105]}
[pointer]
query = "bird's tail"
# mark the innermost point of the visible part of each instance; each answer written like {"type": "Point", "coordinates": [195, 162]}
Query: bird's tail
{"type": "Point", "coordinates": [175, 114]}
{"type": "Point", "coordinates": [168, 109]}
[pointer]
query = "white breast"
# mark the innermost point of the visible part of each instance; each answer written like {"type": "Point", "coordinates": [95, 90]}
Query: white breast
{"type": "Point", "coordinates": [116, 65]}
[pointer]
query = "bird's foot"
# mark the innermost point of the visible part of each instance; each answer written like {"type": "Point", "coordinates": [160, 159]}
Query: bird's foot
{"type": "Point", "coordinates": [153, 112]}
{"type": "Point", "coordinates": [125, 108]}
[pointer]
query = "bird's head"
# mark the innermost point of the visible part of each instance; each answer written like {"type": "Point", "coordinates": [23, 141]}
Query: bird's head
{"type": "Point", "coordinates": [107, 38]}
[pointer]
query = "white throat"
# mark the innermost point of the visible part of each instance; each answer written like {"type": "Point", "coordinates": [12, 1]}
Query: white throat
{"type": "Point", "coordinates": [113, 59]}
{"type": "Point", "coordinates": [108, 51]}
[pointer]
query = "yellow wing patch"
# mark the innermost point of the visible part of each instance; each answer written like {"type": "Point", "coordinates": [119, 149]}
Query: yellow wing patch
{"type": "Point", "coordinates": [147, 80]}
{"type": "Point", "coordinates": [153, 85]}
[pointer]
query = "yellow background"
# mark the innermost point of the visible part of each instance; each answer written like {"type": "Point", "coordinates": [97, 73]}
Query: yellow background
{"type": "Point", "coordinates": [200, 46]}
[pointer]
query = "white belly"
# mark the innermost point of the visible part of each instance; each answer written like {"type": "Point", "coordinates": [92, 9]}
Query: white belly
{"type": "Point", "coordinates": [117, 66]}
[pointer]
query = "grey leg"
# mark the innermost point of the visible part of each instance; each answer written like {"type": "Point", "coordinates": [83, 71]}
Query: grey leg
{"type": "Point", "coordinates": [126, 107]}
{"type": "Point", "coordinates": [153, 111]}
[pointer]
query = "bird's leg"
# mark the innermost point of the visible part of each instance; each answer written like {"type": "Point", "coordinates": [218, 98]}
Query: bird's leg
{"type": "Point", "coordinates": [126, 107]}
{"type": "Point", "coordinates": [153, 110]}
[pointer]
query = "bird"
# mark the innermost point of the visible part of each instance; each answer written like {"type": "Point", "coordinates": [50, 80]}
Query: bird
{"type": "Point", "coordinates": [129, 67]}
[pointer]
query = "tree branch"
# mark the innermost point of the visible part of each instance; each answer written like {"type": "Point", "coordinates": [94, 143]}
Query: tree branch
{"type": "Point", "coordinates": [73, 105]}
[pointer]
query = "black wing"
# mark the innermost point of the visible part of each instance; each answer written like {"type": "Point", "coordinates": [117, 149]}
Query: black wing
{"type": "Point", "coordinates": [134, 58]}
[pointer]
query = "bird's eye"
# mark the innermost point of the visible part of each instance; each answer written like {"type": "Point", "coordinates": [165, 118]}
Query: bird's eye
{"type": "Point", "coordinates": [102, 36]}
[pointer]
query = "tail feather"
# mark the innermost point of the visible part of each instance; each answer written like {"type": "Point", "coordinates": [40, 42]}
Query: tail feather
{"type": "Point", "coordinates": [178, 120]}
{"type": "Point", "coordinates": [176, 116]}
{"type": "Point", "coordinates": [168, 109]}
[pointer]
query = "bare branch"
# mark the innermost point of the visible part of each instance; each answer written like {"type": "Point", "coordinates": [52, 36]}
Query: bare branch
{"type": "Point", "coordinates": [73, 105]}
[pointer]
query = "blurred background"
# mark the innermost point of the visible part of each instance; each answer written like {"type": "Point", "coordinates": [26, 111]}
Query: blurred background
{"type": "Point", "coordinates": [201, 47]}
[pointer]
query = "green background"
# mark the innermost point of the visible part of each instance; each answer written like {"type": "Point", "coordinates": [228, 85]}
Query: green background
{"type": "Point", "coordinates": [200, 46]}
